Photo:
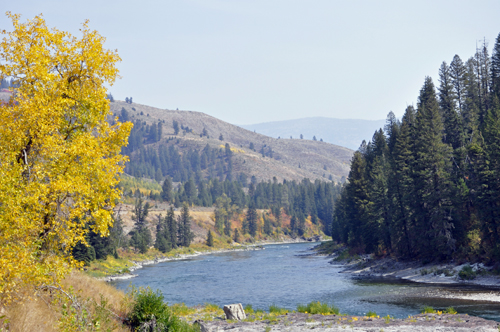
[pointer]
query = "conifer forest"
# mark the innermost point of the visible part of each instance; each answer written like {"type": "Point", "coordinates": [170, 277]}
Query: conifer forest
{"type": "Point", "coordinates": [427, 186]}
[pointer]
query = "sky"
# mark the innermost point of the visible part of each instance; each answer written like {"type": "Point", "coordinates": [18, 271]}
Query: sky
{"type": "Point", "coordinates": [256, 61]}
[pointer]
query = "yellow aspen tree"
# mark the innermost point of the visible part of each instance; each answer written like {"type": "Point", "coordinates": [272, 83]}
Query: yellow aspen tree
{"type": "Point", "coordinates": [59, 155]}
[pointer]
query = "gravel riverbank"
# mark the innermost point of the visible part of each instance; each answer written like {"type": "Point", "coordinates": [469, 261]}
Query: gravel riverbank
{"type": "Point", "coordinates": [301, 322]}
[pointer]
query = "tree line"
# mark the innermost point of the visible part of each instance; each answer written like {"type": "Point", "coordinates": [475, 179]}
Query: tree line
{"type": "Point", "coordinates": [428, 186]}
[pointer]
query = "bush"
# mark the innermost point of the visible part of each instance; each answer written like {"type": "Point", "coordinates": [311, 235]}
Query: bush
{"type": "Point", "coordinates": [467, 273]}
{"type": "Point", "coordinates": [274, 309]}
{"type": "Point", "coordinates": [371, 314]}
{"type": "Point", "coordinates": [150, 313]}
{"type": "Point", "coordinates": [451, 310]}
{"type": "Point", "coordinates": [318, 308]}
{"type": "Point", "coordinates": [428, 310]}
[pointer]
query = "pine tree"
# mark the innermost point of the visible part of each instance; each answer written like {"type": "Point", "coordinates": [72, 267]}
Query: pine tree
{"type": "Point", "coordinates": [171, 224]}
{"type": "Point", "coordinates": [210, 239]}
{"type": "Point", "coordinates": [252, 220]}
{"type": "Point", "coordinates": [140, 235]}
{"type": "Point", "coordinates": [162, 242]}
{"type": "Point", "coordinates": [236, 236]}
{"type": "Point", "coordinates": [495, 68]}
{"type": "Point", "coordinates": [432, 186]}
{"type": "Point", "coordinates": [185, 234]}
{"type": "Point", "coordinates": [457, 74]}
{"type": "Point", "coordinates": [267, 226]}
{"type": "Point", "coordinates": [175, 125]}
{"type": "Point", "coordinates": [166, 193]}
{"type": "Point", "coordinates": [160, 131]}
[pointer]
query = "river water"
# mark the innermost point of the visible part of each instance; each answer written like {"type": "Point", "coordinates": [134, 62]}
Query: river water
{"type": "Point", "coordinates": [287, 275]}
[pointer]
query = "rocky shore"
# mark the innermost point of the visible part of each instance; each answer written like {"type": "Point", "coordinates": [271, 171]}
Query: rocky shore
{"type": "Point", "coordinates": [301, 322]}
{"type": "Point", "coordinates": [389, 269]}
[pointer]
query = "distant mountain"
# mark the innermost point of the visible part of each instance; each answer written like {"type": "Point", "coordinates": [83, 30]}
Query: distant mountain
{"type": "Point", "coordinates": [343, 132]}
{"type": "Point", "coordinates": [290, 159]}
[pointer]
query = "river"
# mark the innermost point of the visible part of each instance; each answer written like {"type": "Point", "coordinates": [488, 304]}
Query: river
{"type": "Point", "coordinates": [287, 275]}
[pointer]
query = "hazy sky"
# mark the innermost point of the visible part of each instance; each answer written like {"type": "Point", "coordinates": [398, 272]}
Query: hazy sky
{"type": "Point", "coordinates": [265, 60]}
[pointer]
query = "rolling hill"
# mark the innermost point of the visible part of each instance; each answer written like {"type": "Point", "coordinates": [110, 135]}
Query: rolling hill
{"type": "Point", "coordinates": [292, 159]}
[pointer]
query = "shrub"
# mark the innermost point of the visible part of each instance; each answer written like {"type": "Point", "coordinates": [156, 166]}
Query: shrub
{"type": "Point", "coordinates": [428, 310]}
{"type": "Point", "coordinates": [371, 314]}
{"type": "Point", "coordinates": [467, 273]}
{"type": "Point", "coordinates": [150, 313]}
{"type": "Point", "coordinates": [451, 310]}
{"type": "Point", "coordinates": [248, 309]}
{"type": "Point", "coordinates": [318, 308]}
{"type": "Point", "coordinates": [274, 309]}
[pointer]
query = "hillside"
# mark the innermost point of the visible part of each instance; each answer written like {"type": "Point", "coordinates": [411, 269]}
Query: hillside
{"type": "Point", "coordinates": [343, 132]}
{"type": "Point", "coordinates": [292, 159]}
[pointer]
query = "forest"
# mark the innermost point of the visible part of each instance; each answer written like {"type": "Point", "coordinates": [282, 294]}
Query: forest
{"type": "Point", "coordinates": [427, 187]}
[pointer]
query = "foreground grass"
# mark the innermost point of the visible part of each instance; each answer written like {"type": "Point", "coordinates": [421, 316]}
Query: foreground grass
{"type": "Point", "coordinates": [92, 305]}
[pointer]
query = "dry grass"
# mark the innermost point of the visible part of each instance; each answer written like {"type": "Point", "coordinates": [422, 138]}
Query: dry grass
{"type": "Point", "coordinates": [42, 312]}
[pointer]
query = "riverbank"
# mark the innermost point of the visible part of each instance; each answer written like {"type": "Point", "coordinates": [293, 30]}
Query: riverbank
{"type": "Point", "coordinates": [303, 321]}
{"type": "Point", "coordinates": [368, 267]}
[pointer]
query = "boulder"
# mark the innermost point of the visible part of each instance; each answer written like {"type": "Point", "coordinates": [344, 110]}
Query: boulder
{"type": "Point", "coordinates": [234, 311]}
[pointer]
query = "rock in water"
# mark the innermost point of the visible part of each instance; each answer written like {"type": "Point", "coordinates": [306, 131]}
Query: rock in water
{"type": "Point", "coordinates": [234, 311]}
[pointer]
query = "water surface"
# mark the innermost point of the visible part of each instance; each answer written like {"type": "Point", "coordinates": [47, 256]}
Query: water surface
{"type": "Point", "coordinates": [287, 275]}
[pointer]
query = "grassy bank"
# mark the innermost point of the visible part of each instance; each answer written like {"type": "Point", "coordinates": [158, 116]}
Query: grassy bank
{"type": "Point", "coordinates": [127, 258]}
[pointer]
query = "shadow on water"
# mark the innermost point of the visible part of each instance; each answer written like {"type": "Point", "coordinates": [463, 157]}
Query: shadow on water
{"type": "Point", "coordinates": [287, 275]}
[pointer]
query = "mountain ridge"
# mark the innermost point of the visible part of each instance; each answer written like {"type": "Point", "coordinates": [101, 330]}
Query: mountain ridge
{"type": "Point", "coordinates": [343, 132]}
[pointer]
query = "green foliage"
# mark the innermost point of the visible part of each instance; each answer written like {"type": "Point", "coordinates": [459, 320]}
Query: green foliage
{"type": "Point", "coordinates": [318, 308]}
{"type": "Point", "coordinates": [467, 273]}
{"type": "Point", "coordinates": [451, 310]}
{"type": "Point", "coordinates": [371, 314]}
{"type": "Point", "coordinates": [210, 239]}
{"type": "Point", "coordinates": [150, 313]}
{"type": "Point", "coordinates": [248, 309]}
{"type": "Point", "coordinates": [274, 309]}
{"type": "Point", "coordinates": [428, 310]}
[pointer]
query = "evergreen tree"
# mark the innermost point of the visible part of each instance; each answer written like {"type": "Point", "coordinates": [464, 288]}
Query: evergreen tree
{"type": "Point", "coordinates": [267, 226]}
{"type": "Point", "coordinates": [184, 231]}
{"type": "Point", "coordinates": [210, 239]}
{"type": "Point", "coordinates": [457, 74]}
{"type": "Point", "coordinates": [160, 131]}
{"type": "Point", "coordinates": [495, 68]}
{"type": "Point", "coordinates": [236, 235]}
{"type": "Point", "coordinates": [140, 235]}
{"type": "Point", "coordinates": [432, 186]}
{"type": "Point", "coordinates": [252, 220]}
{"type": "Point", "coordinates": [166, 193]}
{"type": "Point", "coordinates": [162, 242]}
{"type": "Point", "coordinates": [171, 224]}
{"type": "Point", "coordinates": [175, 125]}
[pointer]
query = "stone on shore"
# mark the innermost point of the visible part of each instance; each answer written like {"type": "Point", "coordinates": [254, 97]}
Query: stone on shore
{"type": "Point", "coordinates": [234, 311]}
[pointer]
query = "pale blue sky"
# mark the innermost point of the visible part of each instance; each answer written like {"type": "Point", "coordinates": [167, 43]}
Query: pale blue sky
{"type": "Point", "coordinates": [263, 60]}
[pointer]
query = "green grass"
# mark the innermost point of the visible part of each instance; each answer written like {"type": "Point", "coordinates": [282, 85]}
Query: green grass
{"type": "Point", "coordinates": [318, 308]}
{"type": "Point", "coordinates": [274, 309]}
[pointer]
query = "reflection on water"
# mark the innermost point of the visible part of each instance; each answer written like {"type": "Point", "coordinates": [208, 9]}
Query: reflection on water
{"type": "Point", "coordinates": [286, 276]}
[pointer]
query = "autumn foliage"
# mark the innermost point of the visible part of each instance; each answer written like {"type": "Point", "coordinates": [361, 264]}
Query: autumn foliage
{"type": "Point", "coordinates": [60, 158]}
